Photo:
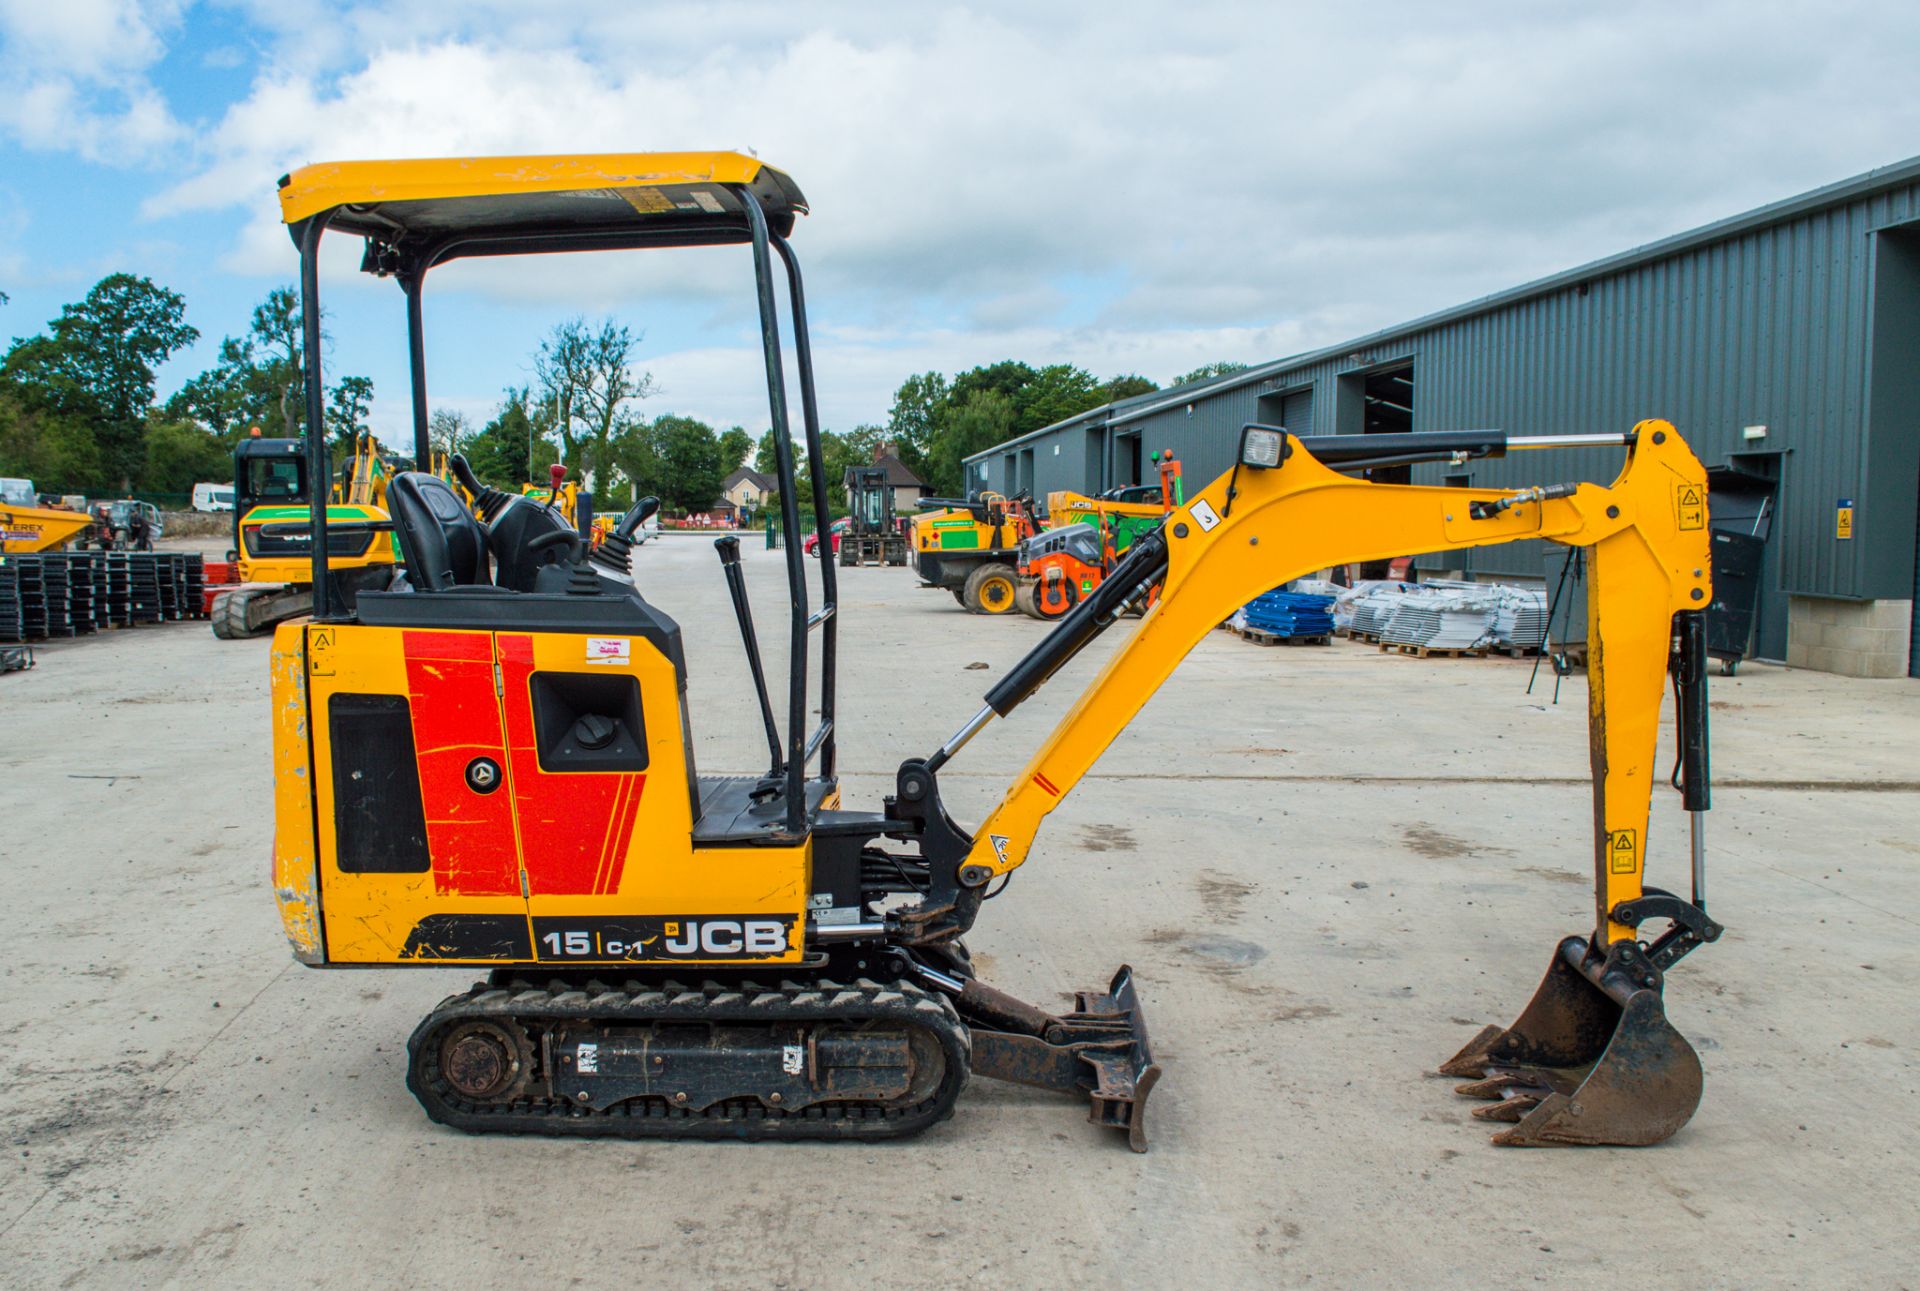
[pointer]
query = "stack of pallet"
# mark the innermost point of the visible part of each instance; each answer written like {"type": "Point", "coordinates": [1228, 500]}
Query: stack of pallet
{"type": "Point", "coordinates": [13, 626]}
{"type": "Point", "coordinates": [1439, 621]}
{"type": "Point", "coordinates": [120, 589]}
{"type": "Point", "coordinates": [1283, 617]}
{"type": "Point", "coordinates": [72, 593]}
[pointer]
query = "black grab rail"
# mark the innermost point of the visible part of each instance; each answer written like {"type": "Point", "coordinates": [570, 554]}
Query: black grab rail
{"type": "Point", "coordinates": [800, 747]}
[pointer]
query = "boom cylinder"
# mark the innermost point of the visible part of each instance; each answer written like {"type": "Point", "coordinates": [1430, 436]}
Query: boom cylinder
{"type": "Point", "coordinates": [1144, 565]}
{"type": "Point", "coordinates": [1696, 789]}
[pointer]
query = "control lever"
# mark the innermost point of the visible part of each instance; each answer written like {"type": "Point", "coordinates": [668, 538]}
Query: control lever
{"type": "Point", "coordinates": [729, 549]}
{"type": "Point", "coordinates": [616, 549]}
{"type": "Point", "coordinates": [489, 501]}
{"type": "Point", "coordinates": [557, 473]}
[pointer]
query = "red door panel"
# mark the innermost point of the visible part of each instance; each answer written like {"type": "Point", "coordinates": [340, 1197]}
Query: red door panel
{"type": "Point", "coordinates": [456, 720]}
{"type": "Point", "coordinates": [574, 825]}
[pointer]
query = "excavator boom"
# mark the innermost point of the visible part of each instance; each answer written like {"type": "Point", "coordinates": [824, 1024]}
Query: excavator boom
{"type": "Point", "coordinates": [1650, 562]}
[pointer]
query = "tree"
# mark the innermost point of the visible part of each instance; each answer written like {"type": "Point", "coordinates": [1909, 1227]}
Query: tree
{"type": "Point", "coordinates": [1056, 392]}
{"type": "Point", "coordinates": [1125, 386]}
{"type": "Point", "coordinates": [447, 429]}
{"type": "Point", "coordinates": [180, 454]}
{"type": "Point", "coordinates": [260, 379]}
{"type": "Point", "coordinates": [691, 464]}
{"type": "Point", "coordinates": [96, 364]}
{"type": "Point", "coordinates": [915, 418]}
{"type": "Point", "coordinates": [499, 452]}
{"type": "Point", "coordinates": [347, 406]}
{"type": "Point", "coordinates": [985, 419]}
{"type": "Point", "coordinates": [587, 378]}
{"type": "Point", "coordinates": [735, 444]}
{"type": "Point", "coordinates": [1207, 371]}
{"type": "Point", "coordinates": [56, 452]}
{"type": "Point", "coordinates": [765, 460]}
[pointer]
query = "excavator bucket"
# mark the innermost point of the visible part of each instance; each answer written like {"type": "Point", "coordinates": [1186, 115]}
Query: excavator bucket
{"type": "Point", "coordinates": [1592, 1060]}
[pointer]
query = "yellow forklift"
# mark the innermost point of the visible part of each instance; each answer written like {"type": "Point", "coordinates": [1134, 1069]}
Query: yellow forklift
{"type": "Point", "coordinates": [490, 763]}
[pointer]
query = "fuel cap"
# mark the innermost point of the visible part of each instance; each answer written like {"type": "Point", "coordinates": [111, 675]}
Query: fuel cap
{"type": "Point", "coordinates": [594, 731]}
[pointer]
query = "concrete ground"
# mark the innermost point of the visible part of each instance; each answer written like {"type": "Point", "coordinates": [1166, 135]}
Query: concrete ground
{"type": "Point", "coordinates": [1328, 867]}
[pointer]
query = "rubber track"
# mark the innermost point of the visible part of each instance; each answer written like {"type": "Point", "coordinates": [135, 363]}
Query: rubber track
{"type": "Point", "coordinates": [740, 1002]}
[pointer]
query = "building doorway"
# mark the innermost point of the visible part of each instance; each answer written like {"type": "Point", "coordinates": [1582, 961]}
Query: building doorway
{"type": "Point", "coordinates": [1379, 402]}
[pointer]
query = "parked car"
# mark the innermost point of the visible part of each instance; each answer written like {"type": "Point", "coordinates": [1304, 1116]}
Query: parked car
{"type": "Point", "coordinates": [212, 497]}
{"type": "Point", "coordinates": [812, 542]}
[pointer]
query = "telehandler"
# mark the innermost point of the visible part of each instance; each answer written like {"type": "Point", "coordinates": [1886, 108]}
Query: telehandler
{"type": "Point", "coordinates": [490, 763]}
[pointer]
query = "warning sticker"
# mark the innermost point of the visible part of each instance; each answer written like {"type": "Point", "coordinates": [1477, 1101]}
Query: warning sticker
{"type": "Point", "coordinates": [1623, 853]}
{"type": "Point", "coordinates": [1691, 504]}
{"type": "Point", "coordinates": [647, 201]}
{"type": "Point", "coordinates": [1204, 515]}
{"type": "Point", "coordinates": [609, 650]}
{"type": "Point", "coordinates": [999, 842]}
{"type": "Point", "coordinates": [320, 652]}
{"type": "Point", "coordinates": [1843, 520]}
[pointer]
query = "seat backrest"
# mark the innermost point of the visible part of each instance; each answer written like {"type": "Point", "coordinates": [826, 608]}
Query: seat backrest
{"type": "Point", "coordinates": [441, 543]}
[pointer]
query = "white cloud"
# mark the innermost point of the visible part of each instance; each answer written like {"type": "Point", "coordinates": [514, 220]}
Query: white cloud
{"type": "Point", "coordinates": [1122, 185]}
{"type": "Point", "coordinates": [73, 76]}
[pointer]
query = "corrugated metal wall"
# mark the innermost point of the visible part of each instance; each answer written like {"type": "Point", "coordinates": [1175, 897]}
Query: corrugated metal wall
{"type": "Point", "coordinates": [1766, 326]}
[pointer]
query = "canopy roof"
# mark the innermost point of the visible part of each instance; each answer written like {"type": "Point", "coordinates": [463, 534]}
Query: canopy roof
{"type": "Point", "coordinates": [436, 210]}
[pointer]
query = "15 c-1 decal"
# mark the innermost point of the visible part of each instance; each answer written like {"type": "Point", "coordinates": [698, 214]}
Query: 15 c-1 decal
{"type": "Point", "coordinates": [707, 936]}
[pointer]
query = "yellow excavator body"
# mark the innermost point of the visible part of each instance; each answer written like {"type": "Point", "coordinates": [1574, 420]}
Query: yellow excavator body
{"type": "Point", "coordinates": [490, 762]}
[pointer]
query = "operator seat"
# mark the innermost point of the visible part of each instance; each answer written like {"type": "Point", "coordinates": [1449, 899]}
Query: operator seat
{"type": "Point", "coordinates": [441, 544]}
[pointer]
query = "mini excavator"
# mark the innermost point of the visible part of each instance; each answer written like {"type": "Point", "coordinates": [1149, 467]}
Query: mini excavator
{"type": "Point", "coordinates": [488, 763]}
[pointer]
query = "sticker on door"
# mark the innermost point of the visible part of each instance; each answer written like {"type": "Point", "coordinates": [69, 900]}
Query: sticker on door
{"type": "Point", "coordinates": [609, 650]}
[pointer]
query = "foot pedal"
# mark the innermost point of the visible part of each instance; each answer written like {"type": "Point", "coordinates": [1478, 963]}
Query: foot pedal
{"type": "Point", "coordinates": [1100, 1049]}
{"type": "Point", "coordinates": [1592, 1060]}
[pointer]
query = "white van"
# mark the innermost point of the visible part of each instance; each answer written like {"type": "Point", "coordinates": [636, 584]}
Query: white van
{"type": "Point", "coordinates": [213, 497]}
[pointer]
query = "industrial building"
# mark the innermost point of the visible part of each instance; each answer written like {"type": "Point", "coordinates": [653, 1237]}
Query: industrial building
{"type": "Point", "coordinates": [1784, 343]}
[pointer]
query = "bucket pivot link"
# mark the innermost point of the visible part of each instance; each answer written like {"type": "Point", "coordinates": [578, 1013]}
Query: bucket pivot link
{"type": "Point", "coordinates": [1100, 1049]}
{"type": "Point", "coordinates": [1592, 1060]}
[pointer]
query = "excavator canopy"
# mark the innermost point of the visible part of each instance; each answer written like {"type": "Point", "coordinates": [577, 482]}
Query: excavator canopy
{"type": "Point", "coordinates": [421, 213]}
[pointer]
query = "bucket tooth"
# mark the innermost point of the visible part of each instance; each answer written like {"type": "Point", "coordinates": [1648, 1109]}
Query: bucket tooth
{"type": "Point", "coordinates": [1495, 1086]}
{"type": "Point", "coordinates": [1592, 1059]}
{"type": "Point", "coordinates": [1509, 1110]}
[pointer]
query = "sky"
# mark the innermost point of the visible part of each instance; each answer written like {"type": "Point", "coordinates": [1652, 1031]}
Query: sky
{"type": "Point", "coordinates": [1125, 186]}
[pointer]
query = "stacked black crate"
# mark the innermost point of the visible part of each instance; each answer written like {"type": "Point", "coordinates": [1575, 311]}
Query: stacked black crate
{"type": "Point", "coordinates": [33, 597]}
{"type": "Point", "coordinates": [163, 564]}
{"type": "Point", "coordinates": [196, 571]}
{"type": "Point", "coordinates": [53, 574]}
{"type": "Point", "coordinates": [119, 588]}
{"type": "Point", "coordinates": [12, 626]}
{"type": "Point", "coordinates": [146, 586]}
{"type": "Point", "coordinates": [80, 592]}
{"type": "Point", "coordinates": [102, 591]}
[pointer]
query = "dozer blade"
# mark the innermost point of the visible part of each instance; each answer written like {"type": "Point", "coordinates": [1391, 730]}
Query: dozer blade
{"type": "Point", "coordinates": [1100, 1049]}
{"type": "Point", "coordinates": [1592, 1060]}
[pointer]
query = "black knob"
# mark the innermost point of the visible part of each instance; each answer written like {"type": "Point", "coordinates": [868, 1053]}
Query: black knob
{"type": "Point", "coordinates": [594, 731]}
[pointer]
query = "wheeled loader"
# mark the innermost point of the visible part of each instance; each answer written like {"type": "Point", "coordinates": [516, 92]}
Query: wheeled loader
{"type": "Point", "coordinates": [490, 764]}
